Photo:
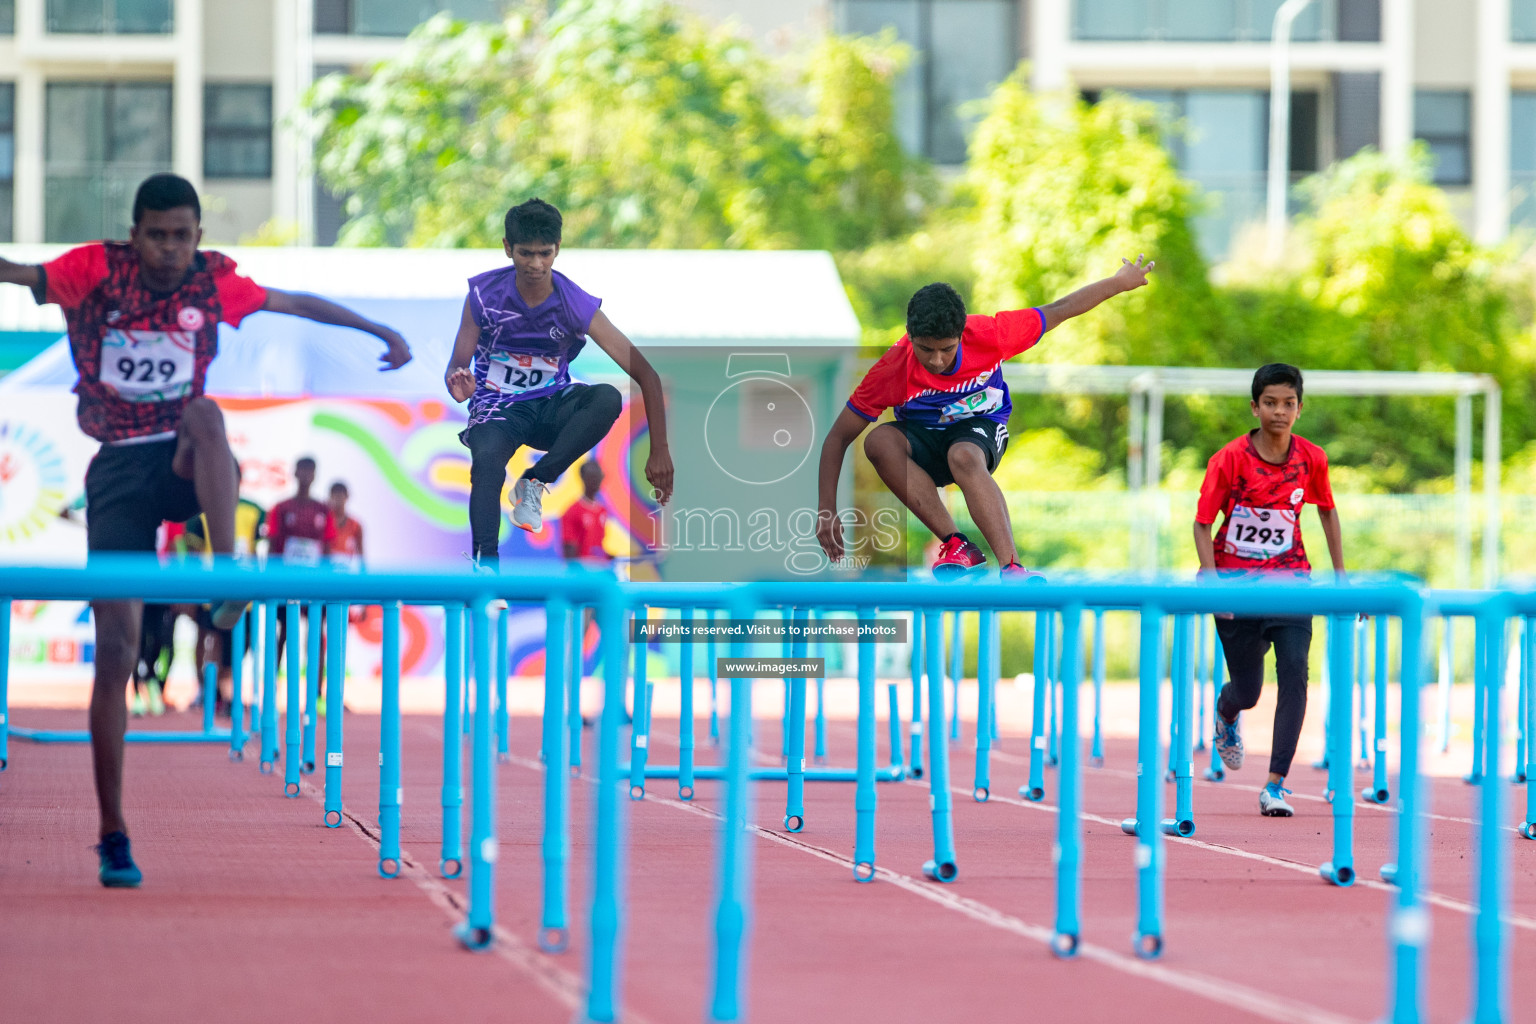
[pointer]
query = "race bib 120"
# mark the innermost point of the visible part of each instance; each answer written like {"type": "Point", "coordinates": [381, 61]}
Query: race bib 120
{"type": "Point", "coordinates": [512, 373]}
{"type": "Point", "coordinates": [1260, 532]}
{"type": "Point", "coordinates": [148, 366]}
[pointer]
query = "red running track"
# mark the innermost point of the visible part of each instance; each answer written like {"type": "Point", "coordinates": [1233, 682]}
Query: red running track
{"type": "Point", "coordinates": [253, 911]}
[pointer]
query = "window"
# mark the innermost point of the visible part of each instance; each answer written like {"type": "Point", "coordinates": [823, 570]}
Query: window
{"type": "Point", "coordinates": [102, 139]}
{"type": "Point", "coordinates": [1443, 119]}
{"type": "Point", "coordinates": [1219, 138]}
{"type": "Point", "coordinates": [396, 17]}
{"type": "Point", "coordinates": [7, 159]}
{"type": "Point", "coordinates": [237, 131]}
{"type": "Point", "coordinates": [1522, 158]}
{"type": "Point", "coordinates": [146, 17]}
{"type": "Point", "coordinates": [7, 17]}
{"type": "Point", "coordinates": [963, 48]}
{"type": "Point", "coordinates": [1212, 21]}
{"type": "Point", "coordinates": [1522, 21]}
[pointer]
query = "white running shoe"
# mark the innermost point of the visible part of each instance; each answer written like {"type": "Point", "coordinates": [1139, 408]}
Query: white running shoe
{"type": "Point", "coordinates": [528, 504]}
{"type": "Point", "coordinates": [1272, 801]}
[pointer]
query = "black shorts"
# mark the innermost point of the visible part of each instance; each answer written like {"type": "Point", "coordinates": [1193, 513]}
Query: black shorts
{"type": "Point", "coordinates": [129, 490]}
{"type": "Point", "coordinates": [534, 423]}
{"type": "Point", "coordinates": [931, 445]}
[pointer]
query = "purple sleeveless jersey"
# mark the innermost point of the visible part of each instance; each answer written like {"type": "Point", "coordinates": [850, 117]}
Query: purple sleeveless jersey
{"type": "Point", "coordinates": [524, 352]}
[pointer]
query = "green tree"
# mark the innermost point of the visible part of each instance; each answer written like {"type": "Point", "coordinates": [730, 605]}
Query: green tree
{"type": "Point", "coordinates": [647, 126]}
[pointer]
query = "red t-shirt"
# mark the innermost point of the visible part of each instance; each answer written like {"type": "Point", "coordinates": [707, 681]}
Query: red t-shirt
{"type": "Point", "coordinates": [348, 539]}
{"type": "Point", "coordinates": [974, 388]}
{"type": "Point", "coordinates": [300, 531]}
{"type": "Point", "coordinates": [583, 526]}
{"type": "Point", "coordinates": [141, 355]}
{"type": "Point", "coordinates": [1261, 504]}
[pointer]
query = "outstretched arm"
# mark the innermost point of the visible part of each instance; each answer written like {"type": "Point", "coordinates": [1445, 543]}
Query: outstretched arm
{"type": "Point", "coordinates": [20, 273]}
{"type": "Point", "coordinates": [1129, 277]}
{"type": "Point", "coordinates": [658, 468]}
{"type": "Point", "coordinates": [312, 307]}
{"type": "Point", "coordinates": [829, 528]}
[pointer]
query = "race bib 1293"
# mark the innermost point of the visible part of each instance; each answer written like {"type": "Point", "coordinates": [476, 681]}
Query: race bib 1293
{"type": "Point", "coordinates": [1260, 532]}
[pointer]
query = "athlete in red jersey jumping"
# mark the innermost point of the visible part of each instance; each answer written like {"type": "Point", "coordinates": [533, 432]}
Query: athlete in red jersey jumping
{"type": "Point", "coordinates": [143, 323]}
{"type": "Point", "coordinates": [1258, 484]}
{"type": "Point", "coordinates": [944, 380]}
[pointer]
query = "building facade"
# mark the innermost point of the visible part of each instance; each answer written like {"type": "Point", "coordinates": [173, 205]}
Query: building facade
{"type": "Point", "coordinates": [94, 94]}
{"type": "Point", "coordinates": [1458, 74]}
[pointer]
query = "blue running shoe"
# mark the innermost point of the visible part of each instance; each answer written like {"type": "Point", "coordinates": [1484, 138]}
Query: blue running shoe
{"type": "Point", "coordinates": [118, 871]}
{"type": "Point", "coordinates": [1229, 745]}
{"type": "Point", "coordinates": [1272, 801]}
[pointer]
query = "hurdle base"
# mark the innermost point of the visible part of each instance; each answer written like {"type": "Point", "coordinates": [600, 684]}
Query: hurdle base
{"type": "Point", "coordinates": [1181, 827]}
{"type": "Point", "coordinates": [1528, 830]}
{"type": "Point", "coordinates": [1342, 876]}
{"type": "Point", "coordinates": [1375, 796]}
{"type": "Point", "coordinates": [84, 736]}
{"type": "Point", "coordinates": [716, 773]}
{"type": "Point", "coordinates": [1129, 826]}
{"type": "Point", "coordinates": [1215, 775]}
{"type": "Point", "coordinates": [1389, 873]}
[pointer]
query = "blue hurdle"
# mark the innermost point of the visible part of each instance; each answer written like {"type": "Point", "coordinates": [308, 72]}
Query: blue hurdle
{"type": "Point", "coordinates": [1408, 924]}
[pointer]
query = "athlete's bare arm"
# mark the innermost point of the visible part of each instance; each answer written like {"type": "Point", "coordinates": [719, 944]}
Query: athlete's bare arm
{"type": "Point", "coordinates": [1129, 277]}
{"type": "Point", "coordinates": [658, 468]}
{"type": "Point", "coordinates": [1335, 537]}
{"type": "Point", "coordinates": [312, 307]}
{"type": "Point", "coordinates": [459, 376]}
{"type": "Point", "coordinates": [829, 528]}
{"type": "Point", "coordinates": [19, 273]}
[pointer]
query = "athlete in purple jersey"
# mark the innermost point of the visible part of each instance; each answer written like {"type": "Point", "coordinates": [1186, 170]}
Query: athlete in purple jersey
{"type": "Point", "coordinates": [521, 328]}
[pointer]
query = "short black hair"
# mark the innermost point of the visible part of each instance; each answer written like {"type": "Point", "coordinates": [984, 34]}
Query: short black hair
{"type": "Point", "coordinates": [1276, 373]}
{"type": "Point", "coordinates": [304, 460]}
{"type": "Point", "coordinates": [935, 311]}
{"type": "Point", "coordinates": [339, 486]}
{"type": "Point", "coordinates": [533, 221]}
{"type": "Point", "coordinates": [165, 192]}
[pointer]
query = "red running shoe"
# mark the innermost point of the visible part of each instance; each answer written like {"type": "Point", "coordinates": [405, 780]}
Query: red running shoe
{"type": "Point", "coordinates": [1013, 572]}
{"type": "Point", "coordinates": [957, 557]}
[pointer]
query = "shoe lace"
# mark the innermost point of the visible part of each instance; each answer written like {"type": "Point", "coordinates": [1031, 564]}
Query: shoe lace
{"type": "Point", "coordinates": [114, 848]}
{"type": "Point", "coordinates": [1277, 789]}
{"type": "Point", "coordinates": [534, 495]}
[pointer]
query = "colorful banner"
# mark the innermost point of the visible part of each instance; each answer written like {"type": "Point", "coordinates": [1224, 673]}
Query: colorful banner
{"type": "Point", "coordinates": [405, 469]}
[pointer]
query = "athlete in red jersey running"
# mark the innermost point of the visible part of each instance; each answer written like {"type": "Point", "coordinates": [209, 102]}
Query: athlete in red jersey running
{"type": "Point", "coordinates": [1258, 484]}
{"type": "Point", "coordinates": [944, 380]}
{"type": "Point", "coordinates": [143, 322]}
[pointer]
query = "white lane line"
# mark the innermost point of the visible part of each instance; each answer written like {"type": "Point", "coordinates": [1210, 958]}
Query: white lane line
{"type": "Point", "coordinates": [1434, 898]}
{"type": "Point", "coordinates": [566, 987]}
{"type": "Point", "coordinates": [1235, 995]}
{"type": "Point", "coordinates": [1206, 783]}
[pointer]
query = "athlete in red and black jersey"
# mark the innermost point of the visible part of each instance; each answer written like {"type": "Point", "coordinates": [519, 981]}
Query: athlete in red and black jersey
{"type": "Point", "coordinates": [143, 326]}
{"type": "Point", "coordinates": [945, 382]}
{"type": "Point", "coordinates": [1258, 484]}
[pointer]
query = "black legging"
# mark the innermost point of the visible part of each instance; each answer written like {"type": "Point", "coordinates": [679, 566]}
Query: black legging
{"type": "Point", "coordinates": [563, 426]}
{"type": "Point", "coordinates": [1245, 642]}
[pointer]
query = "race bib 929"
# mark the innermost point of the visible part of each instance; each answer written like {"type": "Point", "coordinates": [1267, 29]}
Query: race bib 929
{"type": "Point", "coordinates": [148, 366]}
{"type": "Point", "coordinates": [1260, 532]}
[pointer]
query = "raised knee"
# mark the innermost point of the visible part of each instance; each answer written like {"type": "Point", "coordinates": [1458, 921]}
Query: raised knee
{"type": "Point", "coordinates": [607, 400]}
{"type": "Point", "coordinates": [883, 443]}
{"type": "Point", "coordinates": [964, 458]}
